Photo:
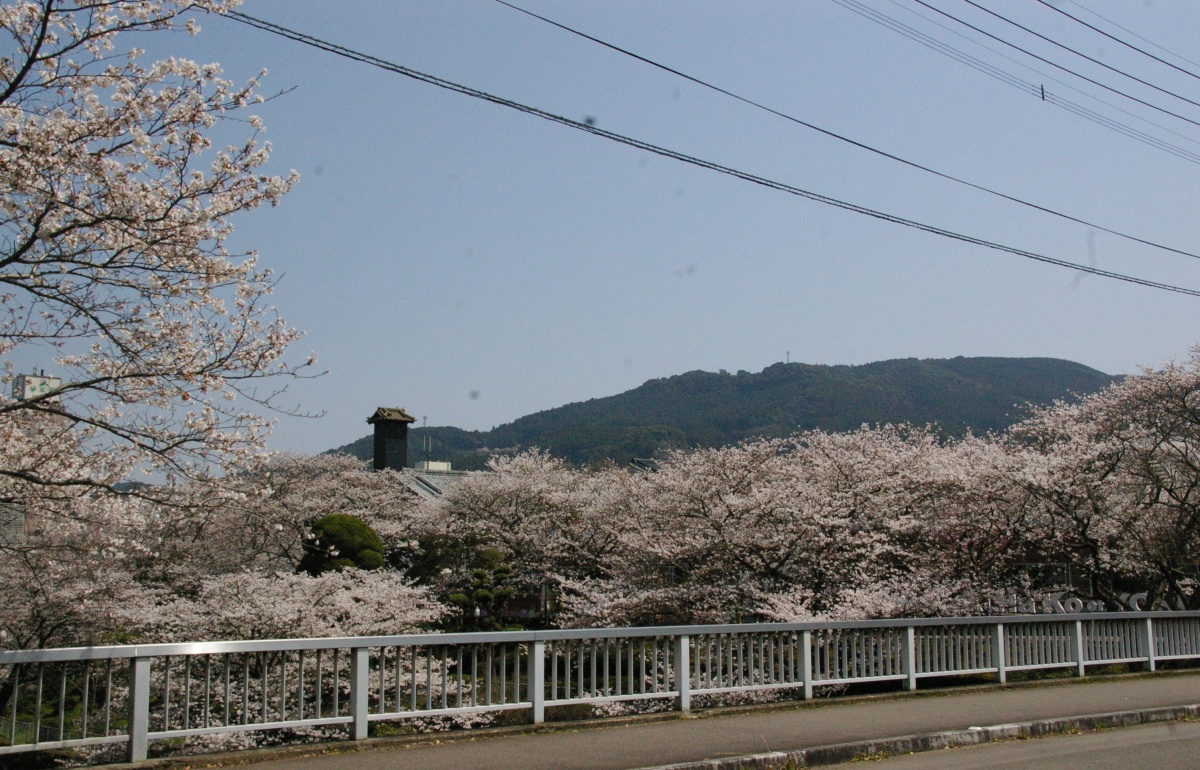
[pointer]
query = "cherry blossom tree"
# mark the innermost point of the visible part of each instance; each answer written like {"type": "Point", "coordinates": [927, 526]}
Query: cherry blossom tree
{"type": "Point", "coordinates": [276, 501]}
{"type": "Point", "coordinates": [127, 568]}
{"type": "Point", "coordinates": [547, 518]}
{"type": "Point", "coordinates": [71, 578]}
{"type": "Point", "coordinates": [250, 605]}
{"type": "Point", "coordinates": [1118, 477]}
{"type": "Point", "coordinates": [980, 527]}
{"type": "Point", "coordinates": [115, 214]}
{"type": "Point", "coordinates": [817, 525]}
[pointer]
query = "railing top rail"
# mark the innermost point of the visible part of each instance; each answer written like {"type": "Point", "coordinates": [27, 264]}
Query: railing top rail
{"type": "Point", "coordinates": [275, 645]}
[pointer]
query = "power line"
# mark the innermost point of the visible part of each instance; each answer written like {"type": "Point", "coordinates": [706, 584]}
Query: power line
{"type": "Point", "coordinates": [1139, 37]}
{"type": "Point", "coordinates": [1119, 127]}
{"type": "Point", "coordinates": [1044, 60]}
{"type": "Point", "coordinates": [1032, 89]}
{"type": "Point", "coordinates": [449, 85]}
{"type": "Point", "coordinates": [1053, 42]}
{"type": "Point", "coordinates": [1062, 83]}
{"type": "Point", "coordinates": [840, 137]}
{"type": "Point", "coordinates": [930, 42]}
{"type": "Point", "coordinates": [1116, 39]}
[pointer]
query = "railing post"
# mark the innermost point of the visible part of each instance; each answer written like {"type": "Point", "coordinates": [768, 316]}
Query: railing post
{"type": "Point", "coordinates": [537, 681]}
{"type": "Point", "coordinates": [1148, 631]}
{"type": "Point", "coordinates": [910, 657]}
{"type": "Point", "coordinates": [806, 672]}
{"type": "Point", "coordinates": [683, 674]}
{"type": "Point", "coordinates": [139, 708]}
{"type": "Point", "coordinates": [1077, 639]}
{"type": "Point", "coordinates": [359, 668]}
{"type": "Point", "coordinates": [999, 652]}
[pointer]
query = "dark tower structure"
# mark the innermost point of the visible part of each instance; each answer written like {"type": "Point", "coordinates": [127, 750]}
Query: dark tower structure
{"type": "Point", "coordinates": [391, 437]}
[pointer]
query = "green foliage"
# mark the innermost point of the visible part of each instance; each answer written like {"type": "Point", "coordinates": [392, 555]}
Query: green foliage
{"type": "Point", "coordinates": [431, 556]}
{"type": "Point", "coordinates": [467, 577]}
{"type": "Point", "coordinates": [719, 409]}
{"type": "Point", "coordinates": [489, 589]}
{"type": "Point", "coordinates": [341, 541]}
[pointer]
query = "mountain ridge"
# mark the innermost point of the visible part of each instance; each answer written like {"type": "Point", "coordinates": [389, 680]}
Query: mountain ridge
{"type": "Point", "coordinates": [699, 408]}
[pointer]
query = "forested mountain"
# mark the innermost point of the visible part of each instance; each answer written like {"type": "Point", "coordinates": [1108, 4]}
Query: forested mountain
{"type": "Point", "coordinates": [712, 409]}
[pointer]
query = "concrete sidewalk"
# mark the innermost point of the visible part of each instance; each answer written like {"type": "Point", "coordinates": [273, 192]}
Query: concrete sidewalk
{"type": "Point", "coordinates": [713, 736]}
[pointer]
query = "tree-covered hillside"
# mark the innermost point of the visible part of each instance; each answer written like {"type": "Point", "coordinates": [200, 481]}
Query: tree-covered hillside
{"type": "Point", "coordinates": [714, 409]}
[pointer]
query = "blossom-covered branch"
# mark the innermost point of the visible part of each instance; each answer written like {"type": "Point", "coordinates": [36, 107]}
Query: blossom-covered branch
{"type": "Point", "coordinates": [115, 213]}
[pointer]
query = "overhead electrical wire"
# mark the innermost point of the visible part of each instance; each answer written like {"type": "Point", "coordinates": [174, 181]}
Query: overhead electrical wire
{"type": "Point", "coordinates": [1056, 65]}
{"type": "Point", "coordinates": [1085, 9]}
{"type": "Point", "coordinates": [928, 41]}
{"type": "Point", "coordinates": [1040, 91]}
{"type": "Point", "coordinates": [1116, 39]}
{"type": "Point", "coordinates": [1033, 89]}
{"type": "Point", "coordinates": [1069, 49]}
{"type": "Point", "coordinates": [841, 137]}
{"type": "Point", "coordinates": [399, 69]}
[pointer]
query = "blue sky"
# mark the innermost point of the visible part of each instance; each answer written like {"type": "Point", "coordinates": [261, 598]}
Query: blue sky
{"type": "Point", "coordinates": [474, 264]}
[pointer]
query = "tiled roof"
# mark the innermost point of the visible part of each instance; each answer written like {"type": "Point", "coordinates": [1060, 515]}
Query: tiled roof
{"type": "Point", "coordinates": [432, 484]}
{"type": "Point", "coordinates": [12, 523]}
{"type": "Point", "coordinates": [644, 465]}
{"type": "Point", "coordinates": [390, 414]}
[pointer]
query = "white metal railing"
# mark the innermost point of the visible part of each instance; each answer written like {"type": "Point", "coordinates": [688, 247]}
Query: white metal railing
{"type": "Point", "coordinates": [136, 694]}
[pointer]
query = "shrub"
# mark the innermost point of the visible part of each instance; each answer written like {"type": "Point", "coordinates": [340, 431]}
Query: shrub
{"type": "Point", "coordinates": [339, 541]}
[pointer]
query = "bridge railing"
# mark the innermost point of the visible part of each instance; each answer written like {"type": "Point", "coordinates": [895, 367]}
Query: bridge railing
{"type": "Point", "coordinates": [133, 695]}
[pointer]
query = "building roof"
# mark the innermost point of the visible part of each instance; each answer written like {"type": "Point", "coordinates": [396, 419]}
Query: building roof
{"type": "Point", "coordinates": [12, 523]}
{"type": "Point", "coordinates": [390, 414]}
{"type": "Point", "coordinates": [644, 465]}
{"type": "Point", "coordinates": [432, 484]}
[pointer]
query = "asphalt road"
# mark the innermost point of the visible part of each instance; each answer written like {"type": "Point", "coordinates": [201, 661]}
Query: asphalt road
{"type": "Point", "coordinates": [708, 737]}
{"type": "Point", "coordinates": [1170, 746]}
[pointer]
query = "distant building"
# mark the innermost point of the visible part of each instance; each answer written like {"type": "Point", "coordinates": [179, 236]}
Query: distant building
{"type": "Point", "coordinates": [432, 484]}
{"type": "Point", "coordinates": [391, 437]}
{"type": "Point", "coordinates": [430, 479]}
{"type": "Point", "coordinates": [12, 523]}
{"type": "Point", "coordinates": [27, 386]}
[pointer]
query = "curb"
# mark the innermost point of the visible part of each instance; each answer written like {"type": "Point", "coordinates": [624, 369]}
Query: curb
{"type": "Point", "coordinates": [839, 753]}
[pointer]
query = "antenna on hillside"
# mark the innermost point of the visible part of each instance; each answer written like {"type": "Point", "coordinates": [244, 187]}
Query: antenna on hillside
{"type": "Point", "coordinates": [787, 358]}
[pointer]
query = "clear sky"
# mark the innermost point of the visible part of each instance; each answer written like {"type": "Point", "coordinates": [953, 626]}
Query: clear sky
{"type": "Point", "coordinates": [474, 264]}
